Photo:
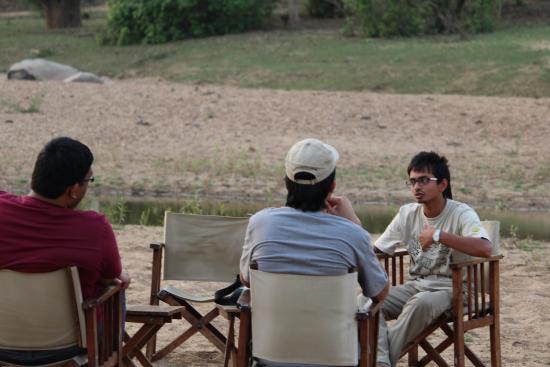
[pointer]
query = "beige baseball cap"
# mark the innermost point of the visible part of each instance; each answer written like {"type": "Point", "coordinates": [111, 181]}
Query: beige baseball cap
{"type": "Point", "coordinates": [311, 156]}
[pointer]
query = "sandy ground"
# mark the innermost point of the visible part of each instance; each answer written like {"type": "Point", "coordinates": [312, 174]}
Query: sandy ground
{"type": "Point", "coordinates": [525, 307]}
{"type": "Point", "coordinates": [152, 137]}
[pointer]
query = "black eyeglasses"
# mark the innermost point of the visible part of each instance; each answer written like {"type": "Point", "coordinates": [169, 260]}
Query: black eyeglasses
{"type": "Point", "coordinates": [421, 181]}
{"type": "Point", "coordinates": [91, 179]}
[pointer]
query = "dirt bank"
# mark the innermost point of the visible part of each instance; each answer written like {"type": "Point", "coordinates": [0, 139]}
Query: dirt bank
{"type": "Point", "coordinates": [154, 137]}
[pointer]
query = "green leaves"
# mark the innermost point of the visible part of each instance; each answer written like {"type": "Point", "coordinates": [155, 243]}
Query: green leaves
{"type": "Point", "coordinates": [159, 21]}
{"type": "Point", "coordinates": [388, 18]}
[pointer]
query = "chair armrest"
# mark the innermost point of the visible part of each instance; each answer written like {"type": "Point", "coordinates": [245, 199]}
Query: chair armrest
{"type": "Point", "coordinates": [109, 292]}
{"type": "Point", "coordinates": [244, 300]}
{"type": "Point", "coordinates": [156, 245]}
{"type": "Point", "coordinates": [373, 309]}
{"type": "Point", "coordinates": [382, 255]}
{"type": "Point", "coordinates": [479, 260]}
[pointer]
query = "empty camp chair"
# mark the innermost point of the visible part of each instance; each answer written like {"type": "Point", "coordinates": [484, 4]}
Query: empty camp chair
{"type": "Point", "coordinates": [307, 320]}
{"type": "Point", "coordinates": [45, 311]}
{"type": "Point", "coordinates": [480, 277]}
{"type": "Point", "coordinates": [195, 248]}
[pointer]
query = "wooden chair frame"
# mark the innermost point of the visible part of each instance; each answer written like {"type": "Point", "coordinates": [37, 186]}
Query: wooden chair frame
{"type": "Point", "coordinates": [199, 323]}
{"type": "Point", "coordinates": [480, 309]}
{"type": "Point", "coordinates": [102, 349]}
{"type": "Point", "coordinates": [105, 349]}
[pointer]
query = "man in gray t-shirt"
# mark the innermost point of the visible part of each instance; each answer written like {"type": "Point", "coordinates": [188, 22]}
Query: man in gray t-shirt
{"type": "Point", "coordinates": [316, 233]}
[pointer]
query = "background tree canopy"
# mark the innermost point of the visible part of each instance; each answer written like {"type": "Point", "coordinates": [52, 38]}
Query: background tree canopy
{"type": "Point", "coordinates": [158, 21]}
{"type": "Point", "coordinates": [383, 18]}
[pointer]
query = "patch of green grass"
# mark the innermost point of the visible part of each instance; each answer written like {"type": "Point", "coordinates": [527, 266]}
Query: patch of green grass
{"type": "Point", "coordinates": [530, 245]}
{"type": "Point", "coordinates": [465, 190]}
{"type": "Point", "coordinates": [116, 212]}
{"type": "Point", "coordinates": [33, 106]}
{"type": "Point", "coordinates": [239, 164]}
{"type": "Point", "coordinates": [509, 62]}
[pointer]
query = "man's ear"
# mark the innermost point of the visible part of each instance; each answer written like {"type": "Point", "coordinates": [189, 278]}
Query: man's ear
{"type": "Point", "coordinates": [73, 191]}
{"type": "Point", "coordinates": [443, 185]}
{"type": "Point", "coordinates": [332, 186]}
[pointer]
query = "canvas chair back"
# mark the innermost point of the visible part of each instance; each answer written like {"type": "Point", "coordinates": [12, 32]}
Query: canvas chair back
{"type": "Point", "coordinates": [41, 311]}
{"type": "Point", "coordinates": [202, 247]}
{"type": "Point", "coordinates": [493, 231]}
{"type": "Point", "coordinates": [304, 319]}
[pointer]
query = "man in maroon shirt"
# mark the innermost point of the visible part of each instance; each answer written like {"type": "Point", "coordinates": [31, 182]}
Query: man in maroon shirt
{"type": "Point", "coordinates": [43, 231]}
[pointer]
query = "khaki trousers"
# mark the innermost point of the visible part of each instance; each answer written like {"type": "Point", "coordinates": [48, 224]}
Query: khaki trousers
{"type": "Point", "coordinates": [415, 305]}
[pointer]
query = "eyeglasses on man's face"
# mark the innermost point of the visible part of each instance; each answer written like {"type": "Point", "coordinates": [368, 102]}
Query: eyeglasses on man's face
{"type": "Point", "coordinates": [421, 181]}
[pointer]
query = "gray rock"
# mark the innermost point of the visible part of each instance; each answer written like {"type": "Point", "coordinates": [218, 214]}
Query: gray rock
{"type": "Point", "coordinates": [41, 69]}
{"type": "Point", "coordinates": [84, 77]}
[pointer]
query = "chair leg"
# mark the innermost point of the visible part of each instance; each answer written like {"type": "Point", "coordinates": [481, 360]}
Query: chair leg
{"type": "Point", "coordinates": [199, 322]}
{"type": "Point", "coordinates": [245, 332]}
{"type": "Point", "coordinates": [494, 332]}
{"type": "Point", "coordinates": [230, 345]}
{"type": "Point", "coordinates": [433, 354]}
{"type": "Point", "coordinates": [459, 343]}
{"type": "Point", "coordinates": [413, 356]}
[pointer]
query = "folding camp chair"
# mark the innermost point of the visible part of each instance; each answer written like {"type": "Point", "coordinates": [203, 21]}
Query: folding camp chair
{"type": "Point", "coordinates": [306, 320]}
{"type": "Point", "coordinates": [197, 248]}
{"type": "Point", "coordinates": [480, 278]}
{"type": "Point", "coordinates": [45, 311]}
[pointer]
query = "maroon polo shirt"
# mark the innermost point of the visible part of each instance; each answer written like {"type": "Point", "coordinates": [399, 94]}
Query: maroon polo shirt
{"type": "Point", "coordinates": [37, 236]}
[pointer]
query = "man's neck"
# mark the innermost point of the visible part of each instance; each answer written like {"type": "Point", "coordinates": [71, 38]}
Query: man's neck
{"type": "Point", "coordinates": [435, 207]}
{"type": "Point", "coordinates": [58, 201]}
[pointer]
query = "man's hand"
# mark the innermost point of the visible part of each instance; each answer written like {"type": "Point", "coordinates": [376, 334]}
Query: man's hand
{"type": "Point", "coordinates": [426, 237]}
{"type": "Point", "coordinates": [341, 206]}
{"type": "Point", "coordinates": [124, 279]}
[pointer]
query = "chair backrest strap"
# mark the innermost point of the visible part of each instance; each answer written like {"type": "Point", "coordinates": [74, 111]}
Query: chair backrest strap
{"type": "Point", "coordinates": [304, 319]}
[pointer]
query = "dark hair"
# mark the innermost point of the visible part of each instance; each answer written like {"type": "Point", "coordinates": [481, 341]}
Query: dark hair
{"type": "Point", "coordinates": [308, 198]}
{"type": "Point", "coordinates": [62, 162]}
{"type": "Point", "coordinates": [435, 164]}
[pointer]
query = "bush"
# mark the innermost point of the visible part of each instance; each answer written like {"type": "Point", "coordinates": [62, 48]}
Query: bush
{"type": "Point", "coordinates": [386, 18]}
{"type": "Point", "coordinates": [158, 21]}
{"type": "Point", "coordinates": [325, 8]}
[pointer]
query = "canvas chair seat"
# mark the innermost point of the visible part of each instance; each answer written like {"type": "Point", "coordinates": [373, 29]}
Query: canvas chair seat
{"type": "Point", "coordinates": [195, 248]}
{"type": "Point", "coordinates": [184, 296]}
{"type": "Point", "coordinates": [46, 312]}
{"type": "Point", "coordinates": [321, 325]}
{"type": "Point", "coordinates": [475, 304]}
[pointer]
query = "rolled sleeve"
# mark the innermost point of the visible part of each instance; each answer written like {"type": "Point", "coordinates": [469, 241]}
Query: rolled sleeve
{"type": "Point", "coordinates": [392, 236]}
{"type": "Point", "coordinates": [244, 264]}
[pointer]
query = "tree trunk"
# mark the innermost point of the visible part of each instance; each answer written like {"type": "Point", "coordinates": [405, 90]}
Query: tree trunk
{"type": "Point", "coordinates": [62, 13]}
{"type": "Point", "coordinates": [294, 11]}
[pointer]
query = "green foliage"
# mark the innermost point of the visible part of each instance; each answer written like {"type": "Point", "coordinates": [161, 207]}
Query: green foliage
{"type": "Point", "coordinates": [325, 8]}
{"type": "Point", "coordinates": [510, 62]}
{"type": "Point", "coordinates": [116, 212]}
{"type": "Point", "coordinates": [159, 21]}
{"type": "Point", "coordinates": [386, 18]}
{"type": "Point", "coordinates": [33, 106]}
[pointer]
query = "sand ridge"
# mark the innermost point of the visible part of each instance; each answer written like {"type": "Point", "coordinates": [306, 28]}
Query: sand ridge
{"type": "Point", "coordinates": [154, 137]}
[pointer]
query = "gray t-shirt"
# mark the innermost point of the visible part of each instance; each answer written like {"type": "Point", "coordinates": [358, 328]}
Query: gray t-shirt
{"type": "Point", "coordinates": [286, 240]}
{"type": "Point", "coordinates": [456, 218]}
